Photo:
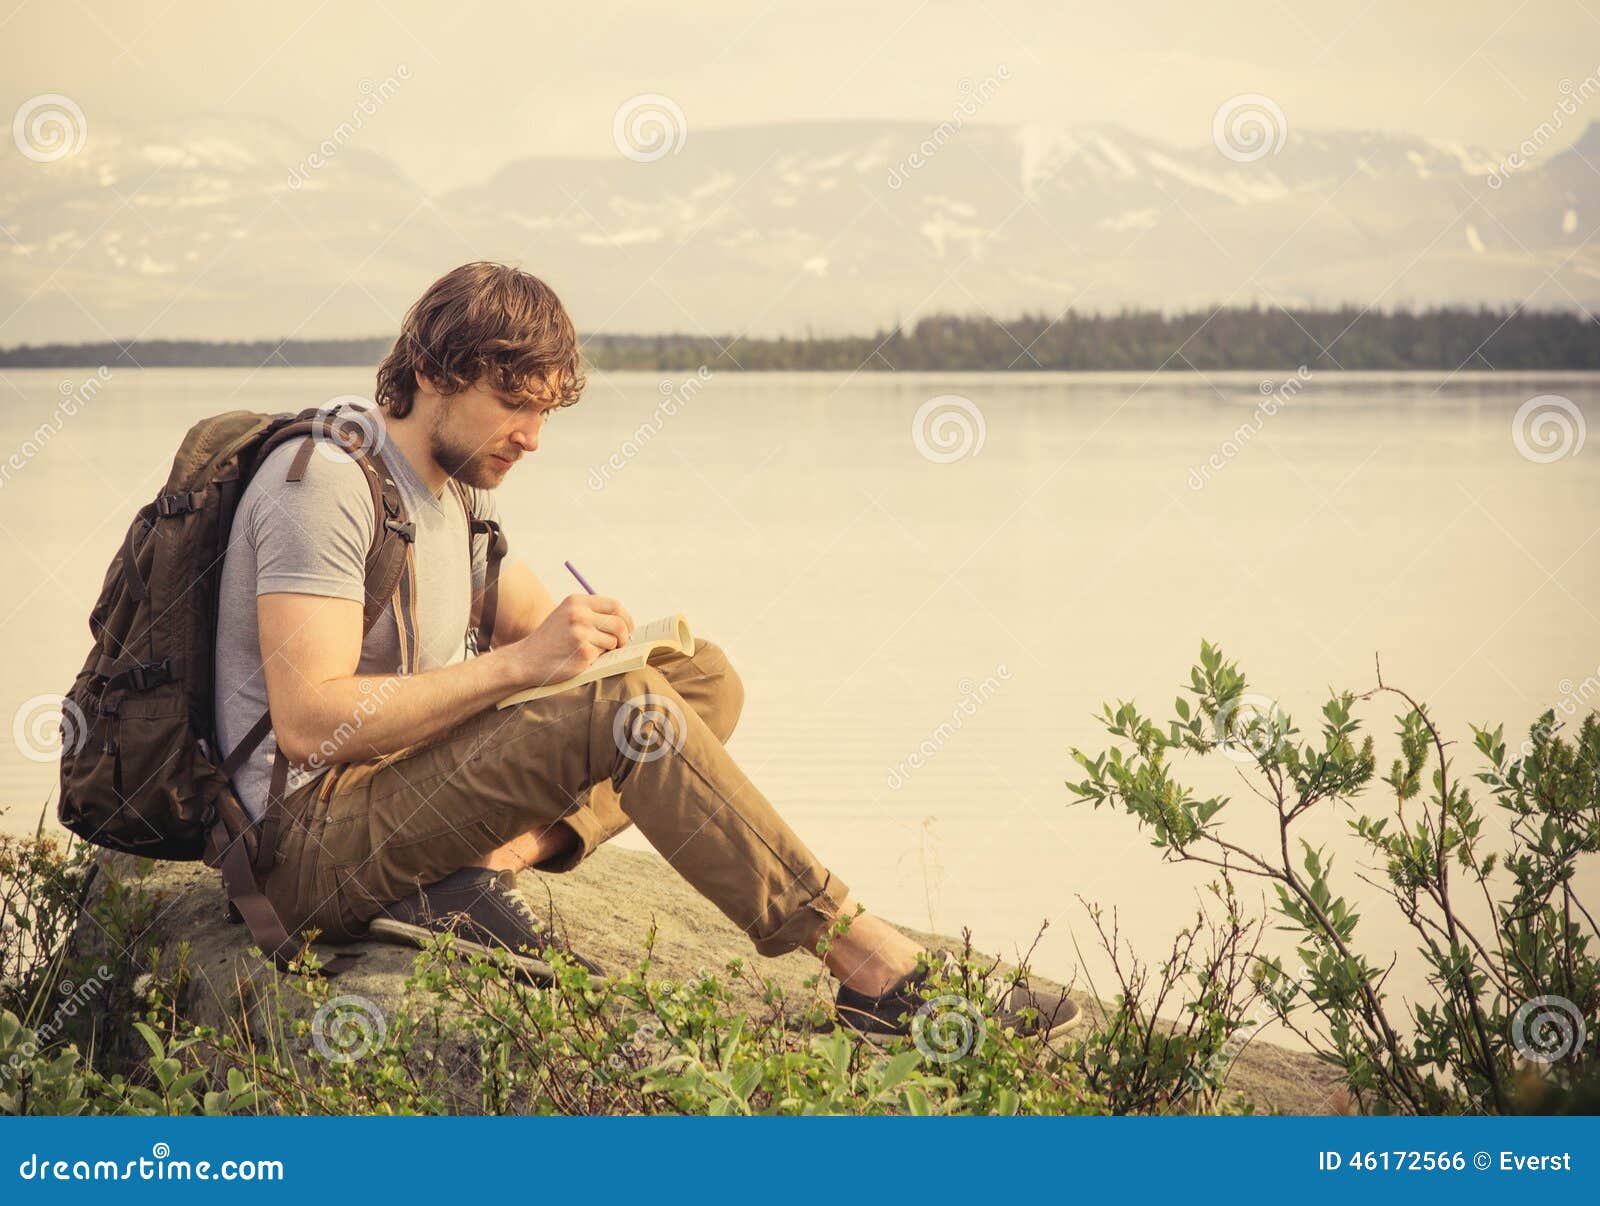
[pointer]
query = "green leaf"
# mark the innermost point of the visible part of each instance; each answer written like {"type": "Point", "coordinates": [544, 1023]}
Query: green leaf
{"type": "Point", "coordinates": [746, 1080]}
{"type": "Point", "coordinates": [152, 1039]}
{"type": "Point", "coordinates": [897, 1069]}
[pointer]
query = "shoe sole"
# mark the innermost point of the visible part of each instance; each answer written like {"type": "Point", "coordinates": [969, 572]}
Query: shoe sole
{"type": "Point", "coordinates": [403, 933]}
{"type": "Point", "coordinates": [1059, 1030]}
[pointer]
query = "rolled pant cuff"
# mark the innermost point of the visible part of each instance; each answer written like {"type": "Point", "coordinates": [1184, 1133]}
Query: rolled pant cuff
{"type": "Point", "coordinates": [590, 834]}
{"type": "Point", "coordinates": [809, 923]}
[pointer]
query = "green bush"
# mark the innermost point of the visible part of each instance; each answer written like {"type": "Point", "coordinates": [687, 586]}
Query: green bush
{"type": "Point", "coordinates": [1510, 1025]}
{"type": "Point", "coordinates": [42, 882]}
{"type": "Point", "coordinates": [469, 1036]}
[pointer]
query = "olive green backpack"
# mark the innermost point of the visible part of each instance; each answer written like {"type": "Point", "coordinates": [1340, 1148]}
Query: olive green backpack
{"type": "Point", "coordinates": [141, 770]}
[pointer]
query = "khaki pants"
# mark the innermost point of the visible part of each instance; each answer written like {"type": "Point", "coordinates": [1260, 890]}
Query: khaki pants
{"type": "Point", "coordinates": [642, 748]}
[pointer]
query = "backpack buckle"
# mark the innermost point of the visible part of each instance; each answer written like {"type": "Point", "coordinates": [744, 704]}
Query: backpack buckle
{"type": "Point", "coordinates": [149, 674]}
{"type": "Point", "coordinates": [177, 504]}
{"type": "Point", "coordinates": [406, 531]}
{"type": "Point", "coordinates": [499, 546]}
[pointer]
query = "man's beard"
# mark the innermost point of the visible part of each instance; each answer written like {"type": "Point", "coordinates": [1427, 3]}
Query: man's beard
{"type": "Point", "coordinates": [468, 464]}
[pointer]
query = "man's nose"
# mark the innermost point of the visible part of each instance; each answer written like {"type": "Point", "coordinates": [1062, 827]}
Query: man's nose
{"type": "Point", "coordinates": [525, 438]}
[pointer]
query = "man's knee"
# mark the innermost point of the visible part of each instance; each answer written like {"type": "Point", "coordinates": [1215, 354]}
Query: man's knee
{"type": "Point", "coordinates": [727, 688]}
{"type": "Point", "coordinates": [643, 713]}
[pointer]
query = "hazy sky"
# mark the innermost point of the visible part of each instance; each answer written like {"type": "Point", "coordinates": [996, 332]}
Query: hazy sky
{"type": "Point", "coordinates": [491, 82]}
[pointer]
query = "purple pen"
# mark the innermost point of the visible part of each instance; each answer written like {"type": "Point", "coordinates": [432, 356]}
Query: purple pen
{"type": "Point", "coordinates": [573, 570]}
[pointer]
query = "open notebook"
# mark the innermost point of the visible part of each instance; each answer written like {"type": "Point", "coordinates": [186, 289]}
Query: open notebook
{"type": "Point", "coordinates": [669, 632]}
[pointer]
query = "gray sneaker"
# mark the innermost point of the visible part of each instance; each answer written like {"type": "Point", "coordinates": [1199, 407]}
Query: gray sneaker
{"type": "Point", "coordinates": [485, 910]}
{"type": "Point", "coordinates": [906, 1003]}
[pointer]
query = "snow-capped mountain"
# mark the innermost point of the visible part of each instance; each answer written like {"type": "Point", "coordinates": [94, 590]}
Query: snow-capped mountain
{"type": "Point", "coordinates": [241, 229]}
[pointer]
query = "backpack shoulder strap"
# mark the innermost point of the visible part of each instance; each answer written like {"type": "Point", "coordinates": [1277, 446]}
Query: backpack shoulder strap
{"type": "Point", "coordinates": [498, 547]}
{"type": "Point", "coordinates": [388, 559]}
{"type": "Point", "coordinates": [390, 574]}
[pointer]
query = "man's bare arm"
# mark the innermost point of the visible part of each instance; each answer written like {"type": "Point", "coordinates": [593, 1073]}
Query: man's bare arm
{"type": "Point", "coordinates": [322, 710]}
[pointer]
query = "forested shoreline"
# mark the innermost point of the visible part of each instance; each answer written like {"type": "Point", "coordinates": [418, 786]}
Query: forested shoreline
{"type": "Point", "coordinates": [1136, 340]}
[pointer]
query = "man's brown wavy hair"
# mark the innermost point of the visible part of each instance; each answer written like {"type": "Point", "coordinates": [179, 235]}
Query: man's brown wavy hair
{"type": "Point", "coordinates": [484, 320]}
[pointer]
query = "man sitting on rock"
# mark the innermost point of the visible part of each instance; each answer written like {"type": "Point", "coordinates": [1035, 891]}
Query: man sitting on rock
{"type": "Point", "coordinates": [414, 801]}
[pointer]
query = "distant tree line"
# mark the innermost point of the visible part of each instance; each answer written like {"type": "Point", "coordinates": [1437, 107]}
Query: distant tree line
{"type": "Point", "coordinates": [1145, 340]}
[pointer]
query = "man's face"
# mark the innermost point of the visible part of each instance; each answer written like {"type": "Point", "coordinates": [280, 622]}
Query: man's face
{"type": "Point", "coordinates": [478, 434]}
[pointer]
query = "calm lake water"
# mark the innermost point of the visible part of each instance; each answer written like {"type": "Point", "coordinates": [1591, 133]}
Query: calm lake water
{"type": "Point", "coordinates": [872, 586]}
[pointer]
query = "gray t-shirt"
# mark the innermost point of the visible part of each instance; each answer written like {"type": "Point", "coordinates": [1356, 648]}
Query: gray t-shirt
{"type": "Point", "coordinates": [311, 537]}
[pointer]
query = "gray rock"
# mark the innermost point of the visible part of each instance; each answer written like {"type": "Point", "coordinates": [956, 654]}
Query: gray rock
{"type": "Point", "coordinates": [604, 909]}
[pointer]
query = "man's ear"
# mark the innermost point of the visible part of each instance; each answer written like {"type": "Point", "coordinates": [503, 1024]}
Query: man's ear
{"type": "Point", "coordinates": [423, 381]}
